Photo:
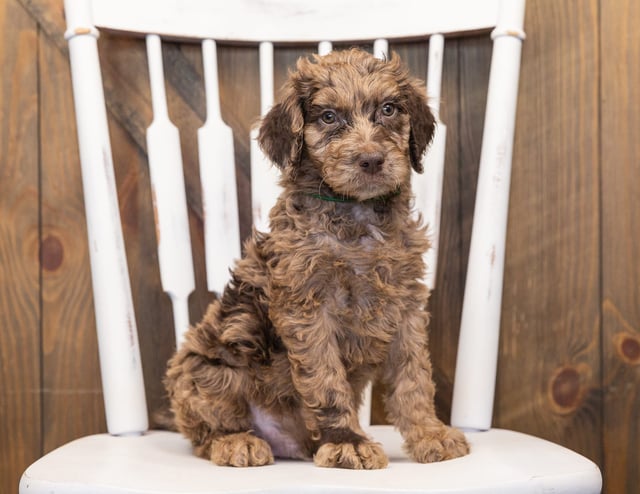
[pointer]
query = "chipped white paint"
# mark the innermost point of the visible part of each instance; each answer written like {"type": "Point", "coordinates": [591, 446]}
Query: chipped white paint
{"type": "Point", "coordinates": [169, 196]}
{"type": "Point", "coordinates": [121, 370]}
{"type": "Point", "coordinates": [474, 385]}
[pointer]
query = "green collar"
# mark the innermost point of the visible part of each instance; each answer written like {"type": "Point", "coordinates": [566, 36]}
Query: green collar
{"type": "Point", "coordinates": [343, 198]}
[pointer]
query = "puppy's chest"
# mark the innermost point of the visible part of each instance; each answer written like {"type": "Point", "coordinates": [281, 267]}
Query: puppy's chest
{"type": "Point", "coordinates": [364, 299]}
{"type": "Point", "coordinates": [366, 283]}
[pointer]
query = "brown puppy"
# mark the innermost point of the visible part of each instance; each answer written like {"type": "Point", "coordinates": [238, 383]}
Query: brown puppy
{"type": "Point", "coordinates": [330, 298]}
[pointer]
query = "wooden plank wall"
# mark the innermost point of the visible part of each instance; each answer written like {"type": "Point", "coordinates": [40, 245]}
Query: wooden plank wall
{"type": "Point", "coordinates": [620, 182]}
{"type": "Point", "coordinates": [551, 311]}
{"type": "Point", "coordinates": [20, 310]}
{"type": "Point", "coordinates": [569, 365]}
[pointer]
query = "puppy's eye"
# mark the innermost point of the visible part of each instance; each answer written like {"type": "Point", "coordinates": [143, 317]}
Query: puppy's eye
{"type": "Point", "coordinates": [388, 109]}
{"type": "Point", "coordinates": [329, 117]}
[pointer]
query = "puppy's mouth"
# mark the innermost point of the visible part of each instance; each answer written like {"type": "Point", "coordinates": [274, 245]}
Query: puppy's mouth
{"type": "Point", "coordinates": [372, 190]}
{"type": "Point", "coordinates": [363, 186]}
{"type": "Point", "coordinates": [366, 175]}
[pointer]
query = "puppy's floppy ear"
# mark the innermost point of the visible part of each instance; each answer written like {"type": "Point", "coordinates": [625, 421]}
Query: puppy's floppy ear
{"type": "Point", "coordinates": [281, 130]}
{"type": "Point", "coordinates": [423, 124]}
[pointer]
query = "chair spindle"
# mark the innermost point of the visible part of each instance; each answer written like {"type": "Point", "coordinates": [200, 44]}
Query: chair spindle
{"type": "Point", "coordinates": [169, 197]}
{"type": "Point", "coordinates": [218, 180]}
{"type": "Point", "coordinates": [476, 364]}
{"type": "Point", "coordinates": [122, 385]}
{"type": "Point", "coordinates": [428, 186]}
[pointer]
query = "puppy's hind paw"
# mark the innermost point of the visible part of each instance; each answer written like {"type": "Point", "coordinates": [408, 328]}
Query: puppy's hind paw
{"type": "Point", "coordinates": [241, 450]}
{"type": "Point", "coordinates": [443, 443]}
{"type": "Point", "coordinates": [365, 455]}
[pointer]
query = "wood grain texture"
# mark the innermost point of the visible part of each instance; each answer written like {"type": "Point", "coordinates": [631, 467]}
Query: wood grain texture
{"type": "Point", "coordinates": [571, 294]}
{"type": "Point", "coordinates": [620, 102]}
{"type": "Point", "coordinates": [20, 418]}
{"type": "Point", "coordinates": [549, 368]}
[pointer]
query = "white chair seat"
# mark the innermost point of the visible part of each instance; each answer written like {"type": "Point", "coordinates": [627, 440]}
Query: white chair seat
{"type": "Point", "coordinates": [501, 461]}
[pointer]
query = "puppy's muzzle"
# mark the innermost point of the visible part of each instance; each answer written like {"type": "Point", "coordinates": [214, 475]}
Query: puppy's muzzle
{"type": "Point", "coordinates": [371, 162]}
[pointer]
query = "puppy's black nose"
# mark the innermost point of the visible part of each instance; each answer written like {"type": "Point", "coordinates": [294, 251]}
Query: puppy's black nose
{"type": "Point", "coordinates": [371, 162]}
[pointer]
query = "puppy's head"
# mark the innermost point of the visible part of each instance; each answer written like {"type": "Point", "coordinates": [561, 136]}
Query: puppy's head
{"type": "Point", "coordinates": [359, 122]}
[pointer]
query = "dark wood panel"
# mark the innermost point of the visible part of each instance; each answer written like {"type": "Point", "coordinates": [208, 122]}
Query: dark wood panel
{"type": "Point", "coordinates": [20, 419]}
{"type": "Point", "coordinates": [620, 102]}
{"type": "Point", "coordinates": [549, 369]}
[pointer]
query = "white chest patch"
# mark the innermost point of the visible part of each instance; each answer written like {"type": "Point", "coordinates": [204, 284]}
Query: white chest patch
{"type": "Point", "coordinates": [269, 429]}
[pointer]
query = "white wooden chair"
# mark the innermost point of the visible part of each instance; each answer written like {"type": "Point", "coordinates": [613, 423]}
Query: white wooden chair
{"type": "Point", "coordinates": [131, 459]}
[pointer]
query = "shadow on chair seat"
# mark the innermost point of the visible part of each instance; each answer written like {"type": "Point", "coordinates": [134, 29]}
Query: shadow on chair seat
{"type": "Point", "coordinates": [501, 462]}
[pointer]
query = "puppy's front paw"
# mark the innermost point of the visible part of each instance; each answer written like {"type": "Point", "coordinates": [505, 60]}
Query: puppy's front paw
{"type": "Point", "coordinates": [365, 455]}
{"type": "Point", "coordinates": [437, 444]}
{"type": "Point", "coordinates": [241, 450]}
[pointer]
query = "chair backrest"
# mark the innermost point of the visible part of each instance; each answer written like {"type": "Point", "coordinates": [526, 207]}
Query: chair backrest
{"type": "Point", "coordinates": [264, 24]}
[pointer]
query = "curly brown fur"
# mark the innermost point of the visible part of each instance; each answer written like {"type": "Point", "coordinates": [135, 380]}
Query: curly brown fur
{"type": "Point", "coordinates": [332, 296]}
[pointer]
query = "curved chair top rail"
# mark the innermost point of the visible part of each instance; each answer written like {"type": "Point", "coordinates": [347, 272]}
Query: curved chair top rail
{"type": "Point", "coordinates": [256, 21]}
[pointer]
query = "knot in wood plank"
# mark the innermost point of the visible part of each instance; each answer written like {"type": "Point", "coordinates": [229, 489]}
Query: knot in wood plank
{"type": "Point", "coordinates": [567, 388]}
{"type": "Point", "coordinates": [51, 253]}
{"type": "Point", "coordinates": [628, 347]}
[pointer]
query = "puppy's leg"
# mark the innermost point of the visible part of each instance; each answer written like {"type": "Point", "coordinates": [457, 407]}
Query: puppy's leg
{"type": "Point", "coordinates": [208, 384]}
{"type": "Point", "coordinates": [320, 378]}
{"type": "Point", "coordinates": [410, 402]}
